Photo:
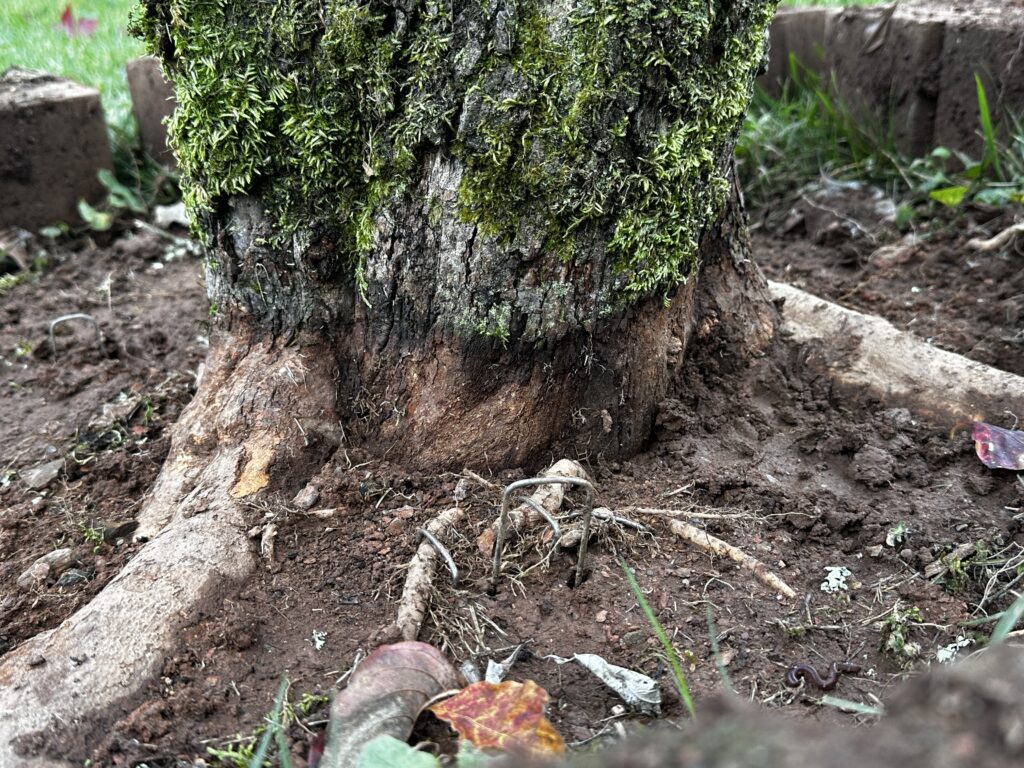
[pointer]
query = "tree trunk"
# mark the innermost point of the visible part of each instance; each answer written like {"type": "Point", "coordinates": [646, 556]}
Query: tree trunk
{"type": "Point", "coordinates": [487, 215]}
{"type": "Point", "coordinates": [455, 232]}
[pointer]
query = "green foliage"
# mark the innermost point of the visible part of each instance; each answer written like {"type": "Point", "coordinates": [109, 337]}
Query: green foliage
{"type": "Point", "coordinates": [145, 184]}
{"type": "Point", "coordinates": [670, 651]}
{"type": "Point", "coordinates": [326, 110]}
{"type": "Point", "coordinates": [254, 750]}
{"type": "Point", "coordinates": [1009, 619]}
{"type": "Point", "coordinates": [808, 132]}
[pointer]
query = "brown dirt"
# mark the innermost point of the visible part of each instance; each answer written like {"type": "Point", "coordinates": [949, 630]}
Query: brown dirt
{"type": "Point", "coordinates": [103, 410]}
{"type": "Point", "coordinates": [927, 281]}
{"type": "Point", "coordinates": [800, 477]}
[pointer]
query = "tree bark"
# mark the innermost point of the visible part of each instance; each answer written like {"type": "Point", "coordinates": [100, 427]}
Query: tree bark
{"type": "Point", "coordinates": [501, 253]}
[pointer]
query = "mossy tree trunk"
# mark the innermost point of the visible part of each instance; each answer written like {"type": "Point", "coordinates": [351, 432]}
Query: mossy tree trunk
{"type": "Point", "coordinates": [457, 232]}
{"type": "Point", "coordinates": [488, 214]}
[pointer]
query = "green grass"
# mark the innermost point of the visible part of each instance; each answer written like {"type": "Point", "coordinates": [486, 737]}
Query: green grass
{"type": "Point", "coordinates": [670, 651]}
{"type": "Point", "coordinates": [807, 132]}
{"type": "Point", "coordinates": [30, 36]}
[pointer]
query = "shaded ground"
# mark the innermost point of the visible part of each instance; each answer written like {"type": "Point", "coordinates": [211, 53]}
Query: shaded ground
{"type": "Point", "coordinates": [768, 459]}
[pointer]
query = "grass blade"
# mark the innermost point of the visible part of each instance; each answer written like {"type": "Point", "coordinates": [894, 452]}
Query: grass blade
{"type": "Point", "coordinates": [1006, 624]}
{"type": "Point", "coordinates": [991, 156]}
{"type": "Point", "coordinates": [670, 652]}
{"type": "Point", "coordinates": [273, 730]}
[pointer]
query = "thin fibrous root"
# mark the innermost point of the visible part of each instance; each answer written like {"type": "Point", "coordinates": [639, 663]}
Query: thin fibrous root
{"type": "Point", "coordinates": [716, 546]}
{"type": "Point", "coordinates": [412, 607]}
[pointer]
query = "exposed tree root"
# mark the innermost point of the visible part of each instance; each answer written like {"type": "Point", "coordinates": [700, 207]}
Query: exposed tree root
{"type": "Point", "coordinates": [716, 546]}
{"type": "Point", "coordinates": [412, 608]}
{"type": "Point", "coordinates": [867, 351]}
{"type": "Point", "coordinates": [261, 421]}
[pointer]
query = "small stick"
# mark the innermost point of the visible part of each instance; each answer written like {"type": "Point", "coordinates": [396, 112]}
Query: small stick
{"type": "Point", "coordinates": [716, 546]}
{"type": "Point", "coordinates": [415, 600]}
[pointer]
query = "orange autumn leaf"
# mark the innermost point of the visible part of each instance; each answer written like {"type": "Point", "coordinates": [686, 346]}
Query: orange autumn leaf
{"type": "Point", "coordinates": [508, 716]}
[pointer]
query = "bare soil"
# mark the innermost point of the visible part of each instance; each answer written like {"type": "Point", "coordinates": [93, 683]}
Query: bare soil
{"type": "Point", "coordinates": [768, 458]}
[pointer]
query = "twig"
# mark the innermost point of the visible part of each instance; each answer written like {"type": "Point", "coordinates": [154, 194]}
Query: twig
{"type": "Point", "coordinates": [716, 546]}
{"type": "Point", "coordinates": [412, 607]}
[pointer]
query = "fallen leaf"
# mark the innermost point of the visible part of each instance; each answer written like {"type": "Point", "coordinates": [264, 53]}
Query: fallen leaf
{"type": "Point", "coordinates": [72, 27]}
{"type": "Point", "coordinates": [384, 696]}
{"type": "Point", "coordinates": [508, 716]}
{"type": "Point", "coordinates": [639, 691]}
{"type": "Point", "coordinates": [998, 448]}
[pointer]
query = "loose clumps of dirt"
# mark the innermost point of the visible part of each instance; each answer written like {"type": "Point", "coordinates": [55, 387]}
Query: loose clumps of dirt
{"type": "Point", "coordinates": [769, 459]}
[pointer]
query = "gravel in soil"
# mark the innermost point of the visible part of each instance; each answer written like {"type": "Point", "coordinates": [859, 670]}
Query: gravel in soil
{"type": "Point", "coordinates": [769, 459]}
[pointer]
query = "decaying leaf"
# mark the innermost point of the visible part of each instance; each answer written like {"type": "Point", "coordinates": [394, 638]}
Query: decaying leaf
{"type": "Point", "coordinates": [639, 691]}
{"type": "Point", "coordinates": [508, 716]}
{"type": "Point", "coordinates": [384, 696]}
{"type": "Point", "coordinates": [998, 448]}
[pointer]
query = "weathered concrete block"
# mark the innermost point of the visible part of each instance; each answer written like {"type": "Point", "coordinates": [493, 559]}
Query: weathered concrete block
{"type": "Point", "coordinates": [887, 68]}
{"type": "Point", "coordinates": [152, 103]}
{"type": "Point", "coordinates": [800, 32]}
{"type": "Point", "coordinates": [994, 52]}
{"type": "Point", "coordinates": [53, 140]}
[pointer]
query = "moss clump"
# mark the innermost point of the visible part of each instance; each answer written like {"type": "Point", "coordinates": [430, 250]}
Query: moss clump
{"type": "Point", "coordinates": [608, 122]}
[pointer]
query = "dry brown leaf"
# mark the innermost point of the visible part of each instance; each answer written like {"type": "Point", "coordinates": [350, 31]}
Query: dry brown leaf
{"type": "Point", "coordinates": [508, 716]}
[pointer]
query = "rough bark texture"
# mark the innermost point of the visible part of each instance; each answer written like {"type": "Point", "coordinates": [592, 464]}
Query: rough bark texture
{"type": "Point", "coordinates": [490, 211]}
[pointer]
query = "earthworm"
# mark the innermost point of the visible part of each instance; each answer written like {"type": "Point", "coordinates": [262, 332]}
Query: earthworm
{"type": "Point", "coordinates": [811, 675]}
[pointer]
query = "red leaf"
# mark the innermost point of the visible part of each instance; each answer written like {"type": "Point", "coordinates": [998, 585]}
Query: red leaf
{"type": "Point", "coordinates": [384, 696]}
{"type": "Point", "coordinates": [998, 448]}
{"type": "Point", "coordinates": [72, 27]}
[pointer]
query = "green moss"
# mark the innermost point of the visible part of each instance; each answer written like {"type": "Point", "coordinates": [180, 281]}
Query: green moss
{"type": "Point", "coordinates": [607, 125]}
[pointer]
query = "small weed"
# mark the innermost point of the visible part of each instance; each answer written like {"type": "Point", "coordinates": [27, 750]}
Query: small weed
{"type": "Point", "coordinates": [253, 750]}
{"type": "Point", "coordinates": [92, 535]}
{"type": "Point", "coordinates": [896, 633]}
{"type": "Point", "coordinates": [897, 534]}
{"type": "Point", "coordinates": [670, 652]}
